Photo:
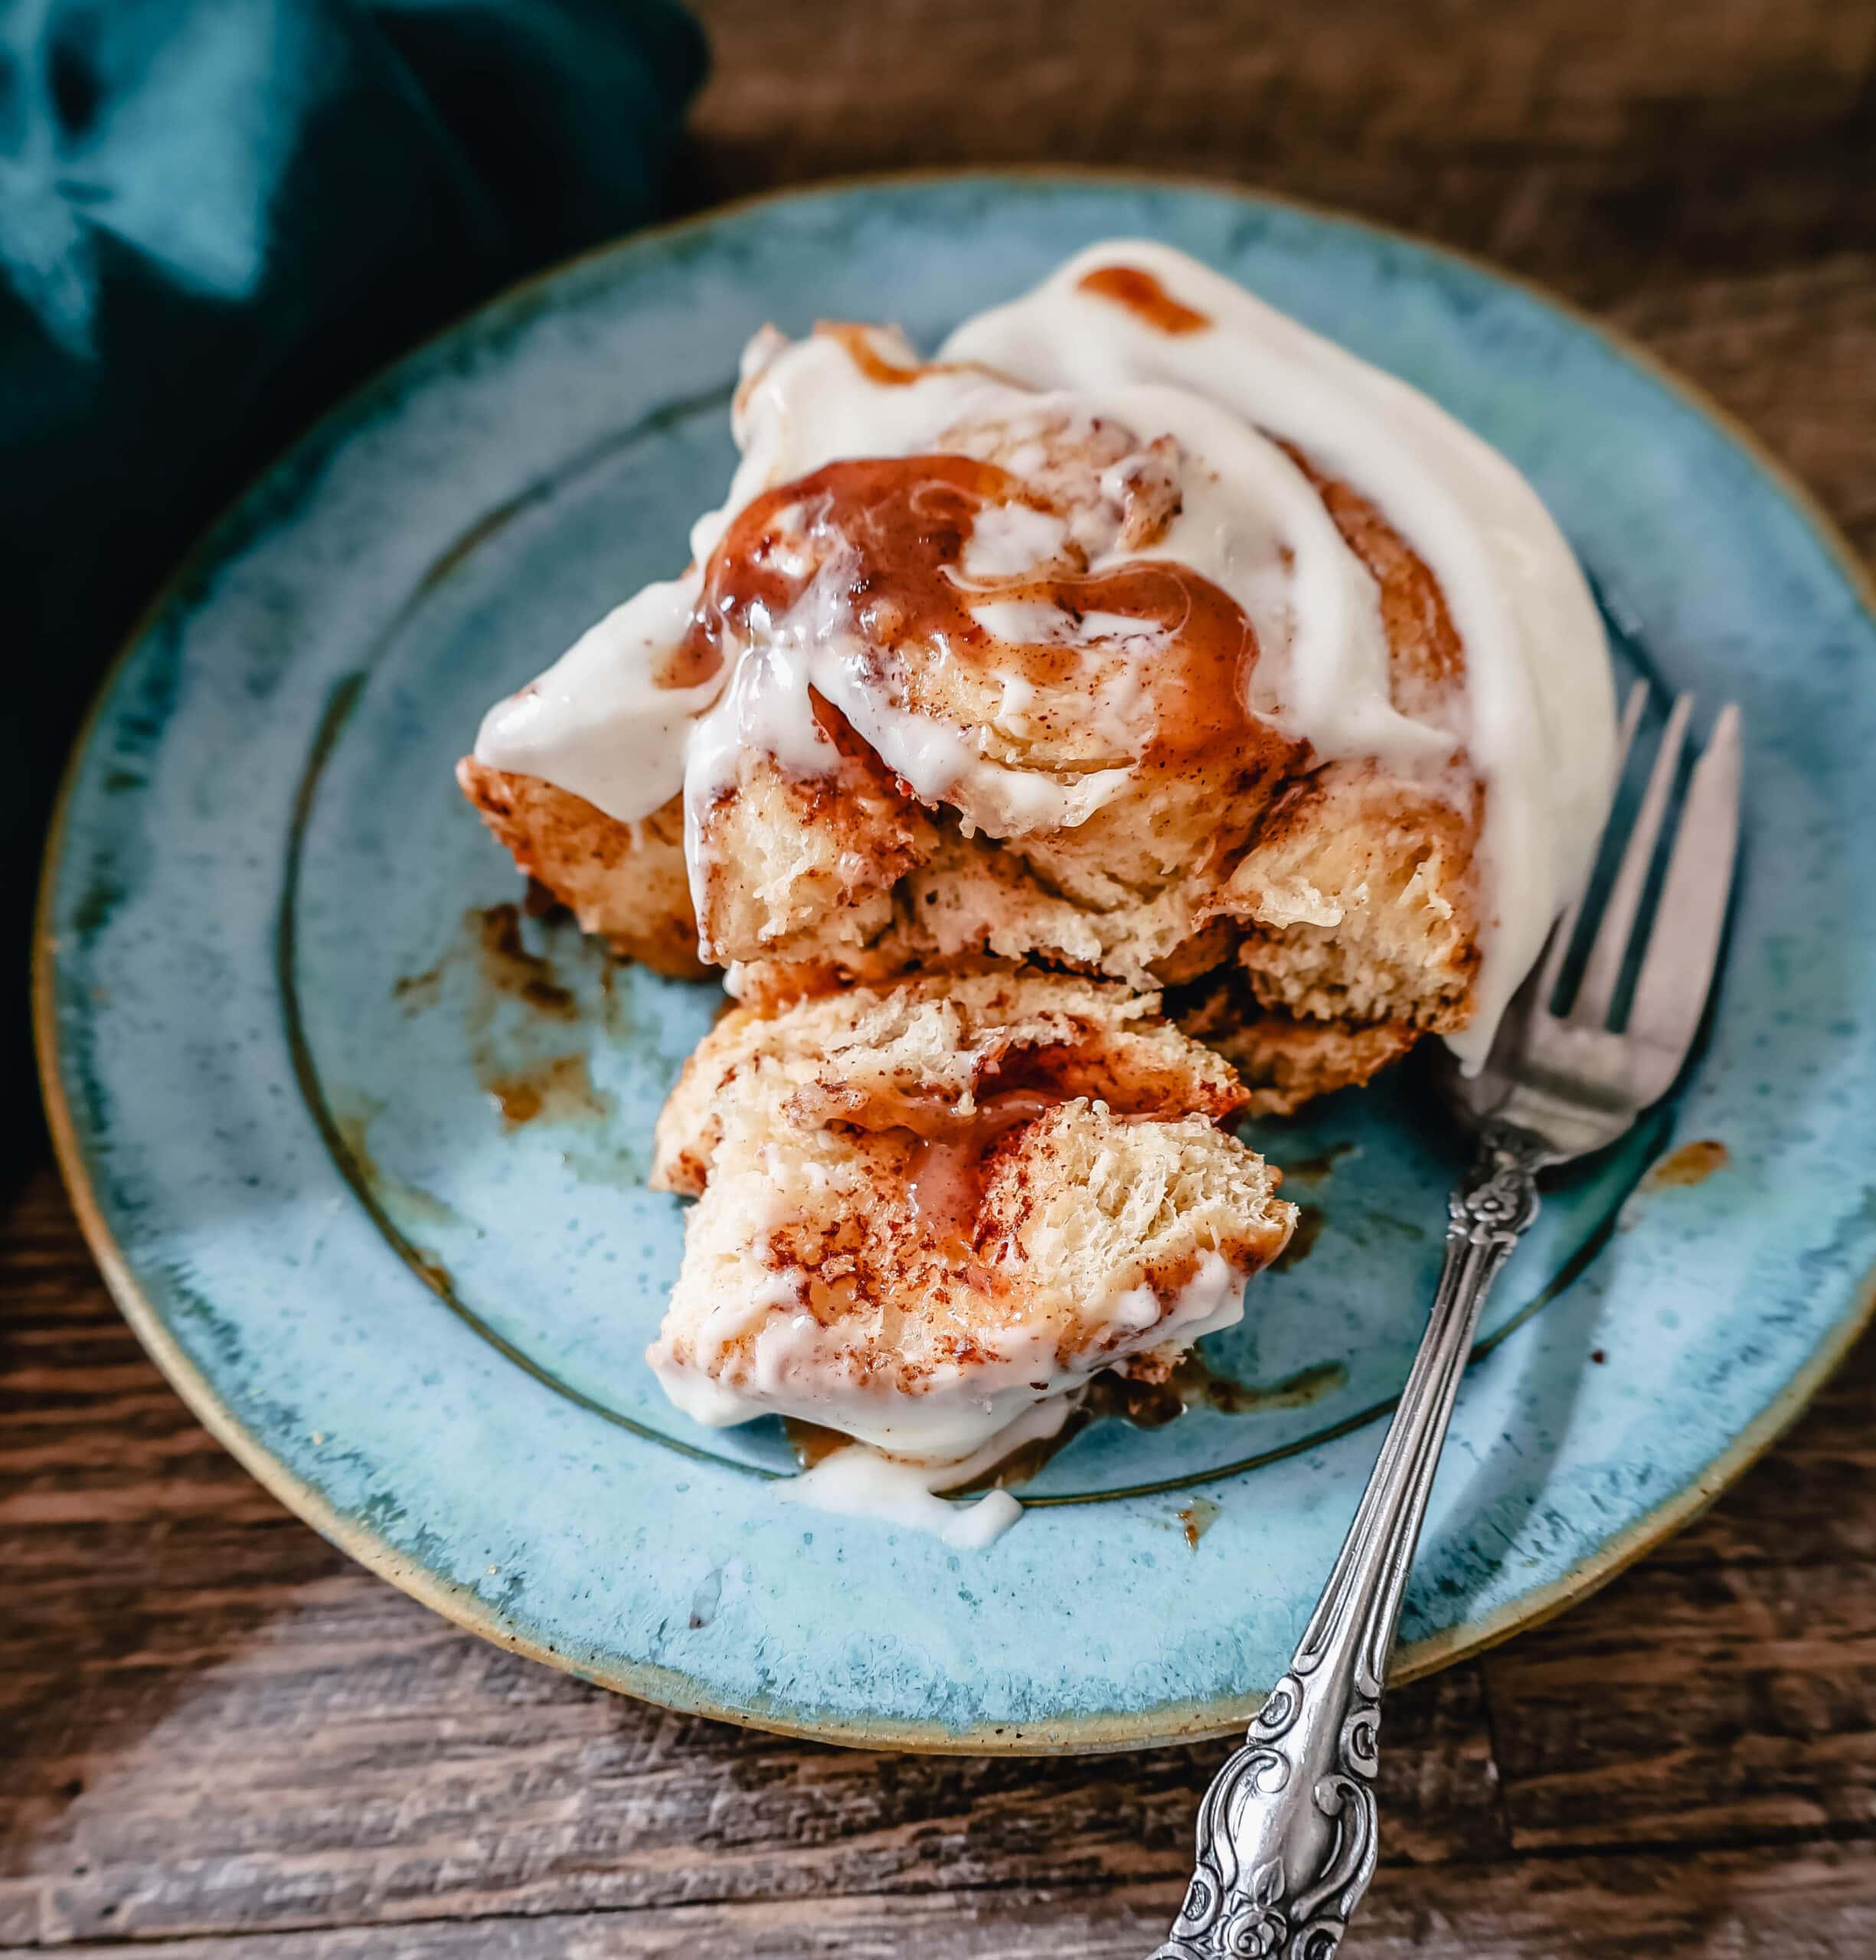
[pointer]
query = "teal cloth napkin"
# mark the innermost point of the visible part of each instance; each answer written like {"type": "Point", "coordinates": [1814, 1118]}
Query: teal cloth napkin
{"type": "Point", "coordinates": [217, 214]}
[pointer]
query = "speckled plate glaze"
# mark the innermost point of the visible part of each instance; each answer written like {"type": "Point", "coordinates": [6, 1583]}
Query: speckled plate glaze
{"type": "Point", "coordinates": [362, 1152]}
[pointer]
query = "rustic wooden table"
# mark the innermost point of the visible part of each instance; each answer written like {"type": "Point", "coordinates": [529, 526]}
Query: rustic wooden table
{"type": "Point", "coordinates": [219, 1737]}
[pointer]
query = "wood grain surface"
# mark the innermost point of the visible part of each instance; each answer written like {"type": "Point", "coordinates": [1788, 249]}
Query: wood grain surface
{"type": "Point", "coordinates": [220, 1738]}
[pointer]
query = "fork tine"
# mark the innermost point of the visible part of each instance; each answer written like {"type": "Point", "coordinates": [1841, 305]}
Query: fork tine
{"type": "Point", "coordinates": [1564, 932]}
{"type": "Point", "coordinates": [1616, 927]}
{"type": "Point", "coordinates": [1684, 945]}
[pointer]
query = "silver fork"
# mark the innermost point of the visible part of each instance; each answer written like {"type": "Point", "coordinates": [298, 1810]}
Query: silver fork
{"type": "Point", "coordinates": [1287, 1831]}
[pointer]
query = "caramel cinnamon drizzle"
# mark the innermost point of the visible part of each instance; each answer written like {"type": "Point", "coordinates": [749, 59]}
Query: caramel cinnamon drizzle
{"type": "Point", "coordinates": [946, 1176]}
{"type": "Point", "coordinates": [899, 527]}
{"type": "Point", "coordinates": [1144, 297]}
{"type": "Point", "coordinates": [882, 373]}
{"type": "Point", "coordinates": [953, 1152]}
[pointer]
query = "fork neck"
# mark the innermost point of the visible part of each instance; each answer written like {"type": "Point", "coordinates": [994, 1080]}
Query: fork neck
{"type": "Point", "coordinates": [1495, 1204]}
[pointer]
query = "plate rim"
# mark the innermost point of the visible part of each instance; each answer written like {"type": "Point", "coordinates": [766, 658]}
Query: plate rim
{"type": "Point", "coordinates": [1166, 1723]}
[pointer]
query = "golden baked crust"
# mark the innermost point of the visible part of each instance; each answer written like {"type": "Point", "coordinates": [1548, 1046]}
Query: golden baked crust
{"type": "Point", "coordinates": [1355, 903]}
{"type": "Point", "coordinates": [625, 883]}
{"type": "Point", "coordinates": [1356, 936]}
{"type": "Point", "coordinates": [815, 858]}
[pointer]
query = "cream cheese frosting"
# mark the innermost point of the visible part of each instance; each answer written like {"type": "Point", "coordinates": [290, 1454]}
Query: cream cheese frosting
{"type": "Point", "coordinates": [1234, 381]}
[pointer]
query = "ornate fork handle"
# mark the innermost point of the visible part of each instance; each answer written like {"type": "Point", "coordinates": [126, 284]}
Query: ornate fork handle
{"type": "Point", "coordinates": [1286, 1834]}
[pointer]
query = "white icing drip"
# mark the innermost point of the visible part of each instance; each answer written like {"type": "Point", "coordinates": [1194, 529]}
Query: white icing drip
{"type": "Point", "coordinates": [863, 1481]}
{"type": "Point", "coordinates": [596, 723]}
{"type": "Point", "coordinates": [802, 1369]}
{"type": "Point", "coordinates": [1539, 721]}
{"type": "Point", "coordinates": [764, 711]}
{"type": "Point", "coordinates": [858, 1481]}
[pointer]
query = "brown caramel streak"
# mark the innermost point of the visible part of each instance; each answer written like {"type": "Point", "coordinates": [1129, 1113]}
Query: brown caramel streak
{"type": "Point", "coordinates": [1198, 684]}
{"type": "Point", "coordinates": [947, 1173]}
{"type": "Point", "coordinates": [902, 520]}
{"type": "Point", "coordinates": [952, 1153]}
{"type": "Point", "coordinates": [901, 526]}
{"type": "Point", "coordinates": [882, 373]}
{"type": "Point", "coordinates": [1143, 296]}
{"type": "Point", "coordinates": [1426, 658]}
{"type": "Point", "coordinates": [696, 658]}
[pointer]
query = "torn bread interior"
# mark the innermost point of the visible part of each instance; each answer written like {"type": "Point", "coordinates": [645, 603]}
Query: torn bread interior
{"type": "Point", "coordinates": [925, 1208]}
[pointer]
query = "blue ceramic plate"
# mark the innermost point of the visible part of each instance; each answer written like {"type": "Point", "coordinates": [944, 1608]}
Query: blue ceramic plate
{"type": "Point", "coordinates": [363, 1153]}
